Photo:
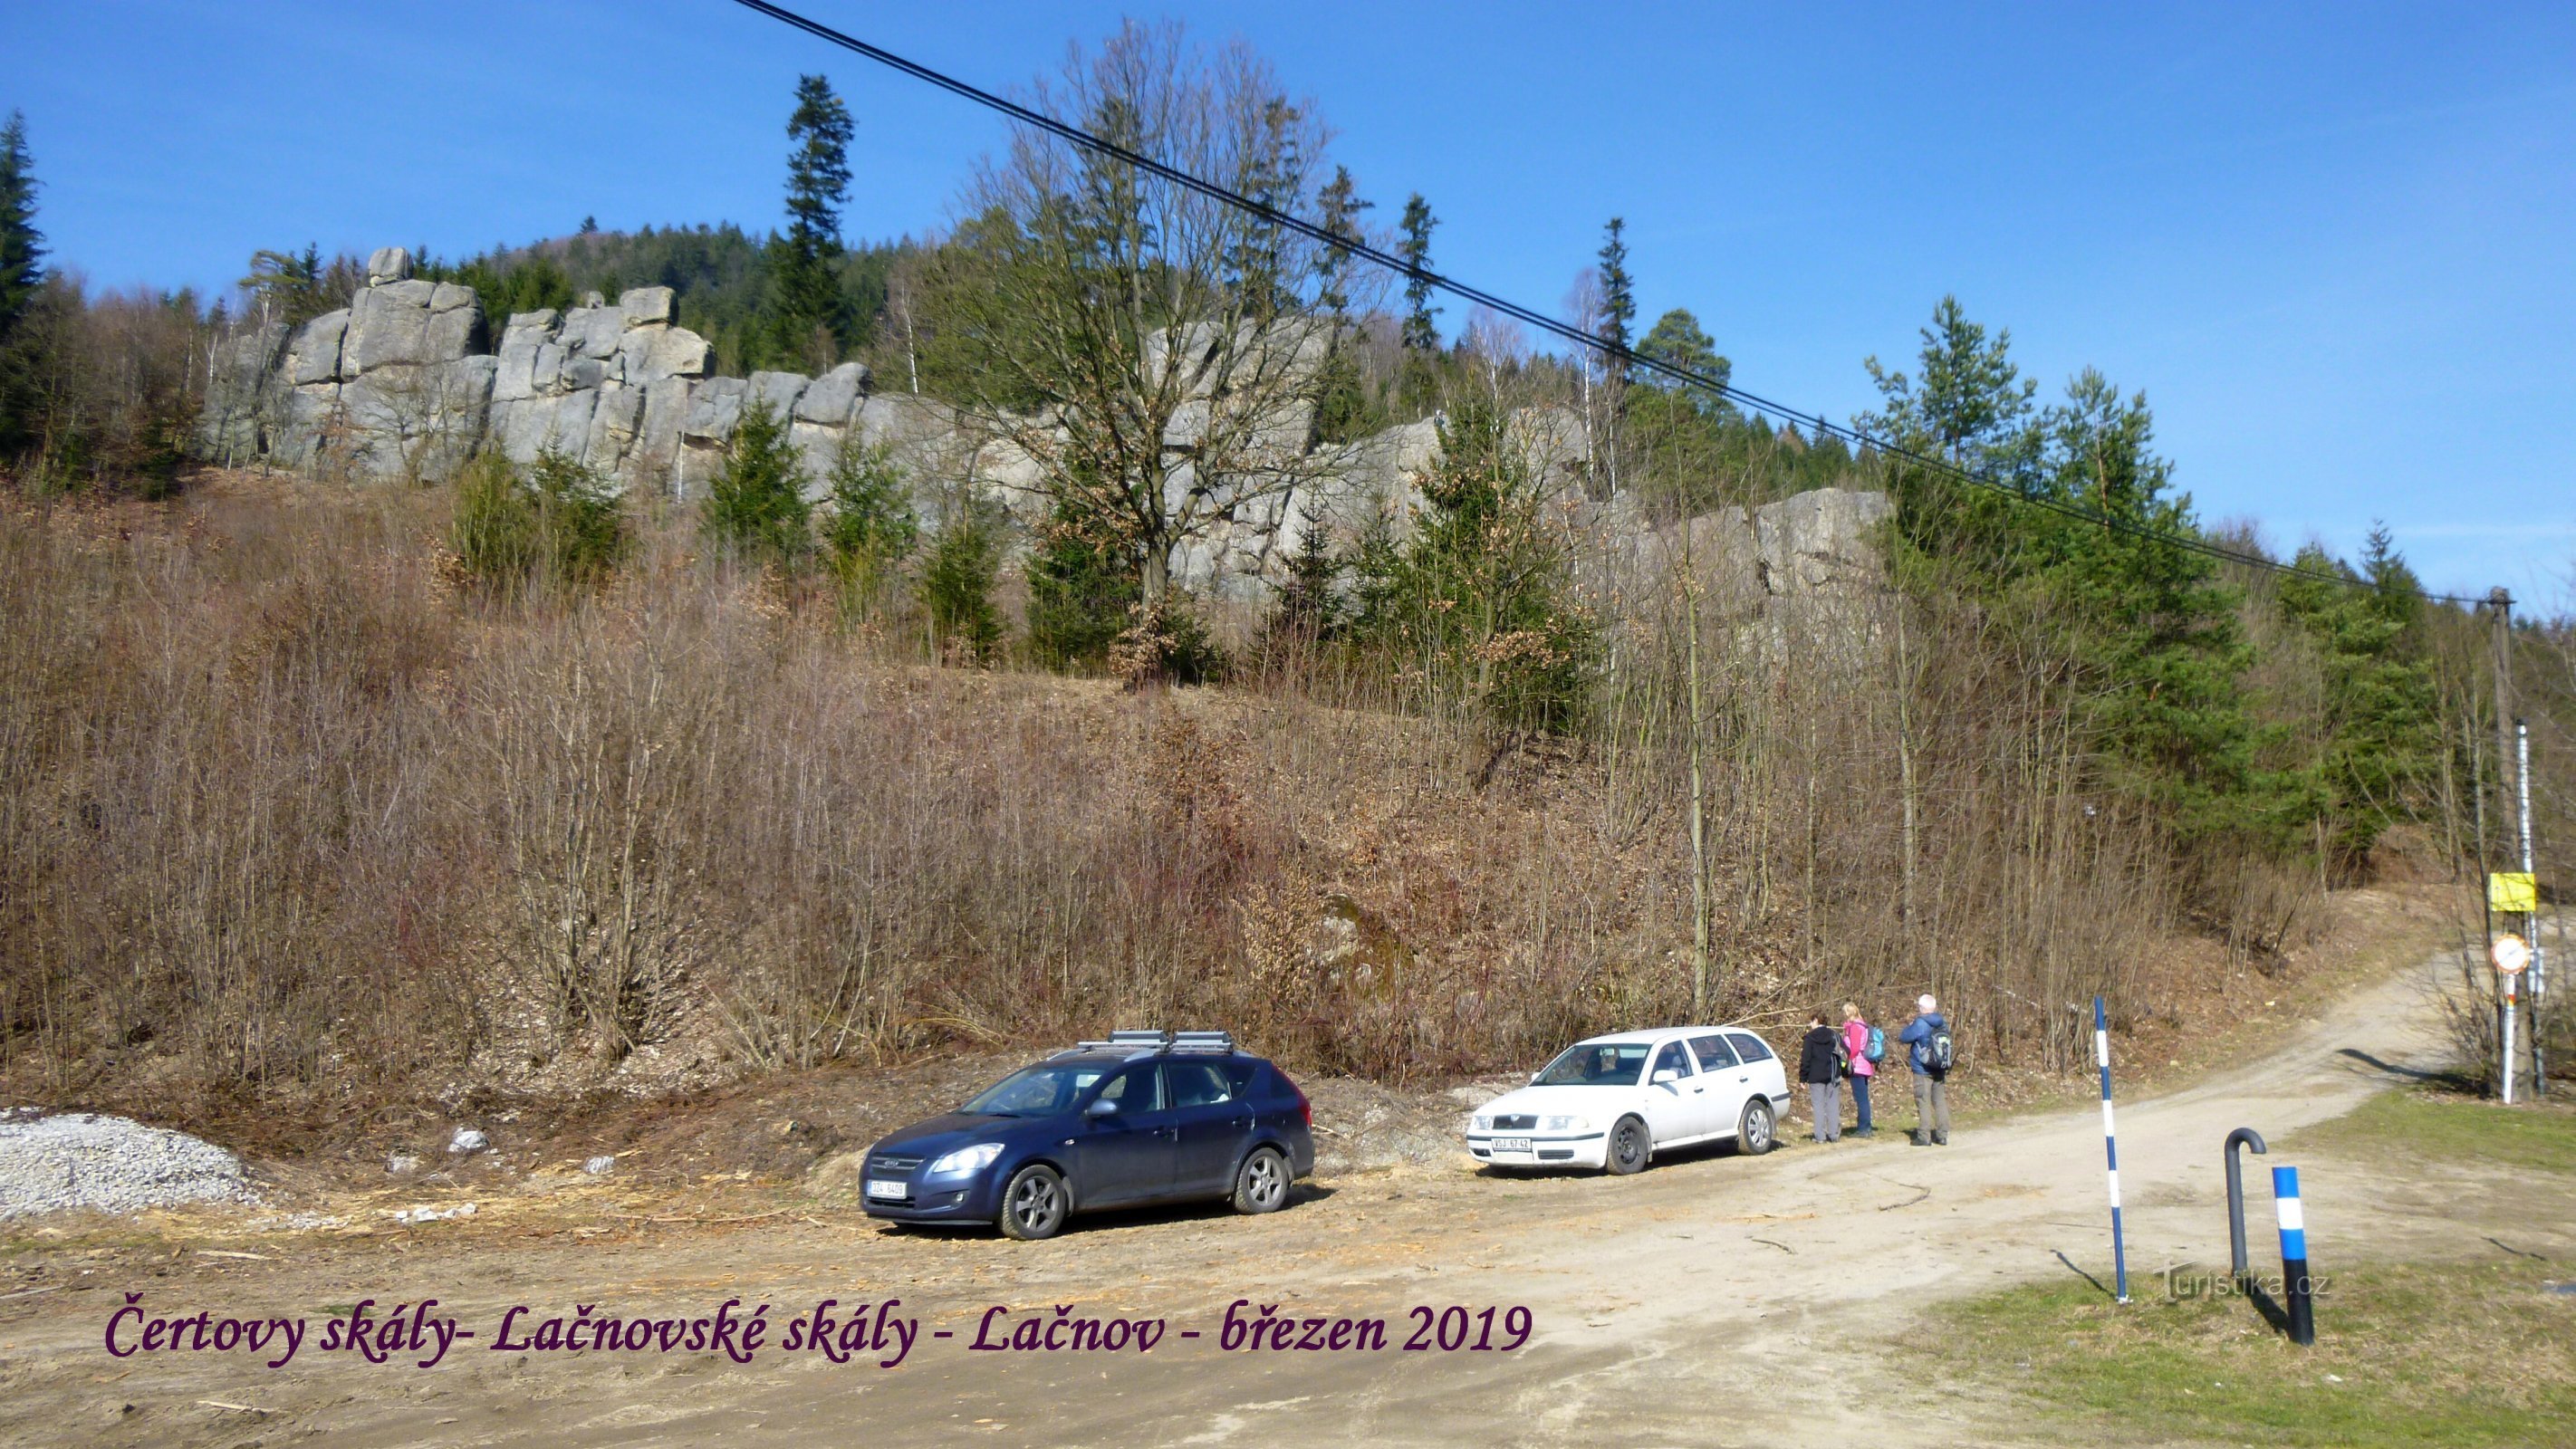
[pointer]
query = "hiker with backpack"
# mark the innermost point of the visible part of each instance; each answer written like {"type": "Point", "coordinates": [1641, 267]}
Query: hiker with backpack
{"type": "Point", "coordinates": [1864, 1047]}
{"type": "Point", "coordinates": [1928, 1035]}
{"type": "Point", "coordinates": [1820, 1066]}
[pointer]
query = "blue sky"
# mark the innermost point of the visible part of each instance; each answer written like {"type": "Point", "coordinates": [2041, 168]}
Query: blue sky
{"type": "Point", "coordinates": [2336, 246]}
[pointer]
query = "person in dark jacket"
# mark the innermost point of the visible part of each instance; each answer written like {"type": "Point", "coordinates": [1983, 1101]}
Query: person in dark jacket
{"type": "Point", "coordinates": [1820, 1067]}
{"type": "Point", "coordinates": [1931, 1092]}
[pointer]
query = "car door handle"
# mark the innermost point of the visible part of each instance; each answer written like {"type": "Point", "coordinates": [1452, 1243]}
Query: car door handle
{"type": "Point", "coordinates": [1695, 1091]}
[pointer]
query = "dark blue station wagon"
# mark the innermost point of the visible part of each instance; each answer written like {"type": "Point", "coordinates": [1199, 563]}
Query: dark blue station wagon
{"type": "Point", "coordinates": [1144, 1117]}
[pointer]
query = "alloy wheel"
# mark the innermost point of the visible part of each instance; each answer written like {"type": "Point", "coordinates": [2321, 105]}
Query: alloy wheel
{"type": "Point", "coordinates": [1036, 1205]}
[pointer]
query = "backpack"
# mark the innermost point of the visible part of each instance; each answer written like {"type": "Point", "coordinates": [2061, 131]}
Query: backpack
{"type": "Point", "coordinates": [1937, 1054]}
{"type": "Point", "coordinates": [1842, 1056]}
{"type": "Point", "coordinates": [1876, 1050]}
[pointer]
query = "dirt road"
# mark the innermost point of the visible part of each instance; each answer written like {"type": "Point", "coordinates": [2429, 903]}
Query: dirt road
{"type": "Point", "coordinates": [1711, 1301]}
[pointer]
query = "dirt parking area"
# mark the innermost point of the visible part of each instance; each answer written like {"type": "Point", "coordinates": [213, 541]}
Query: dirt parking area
{"type": "Point", "coordinates": [1714, 1299]}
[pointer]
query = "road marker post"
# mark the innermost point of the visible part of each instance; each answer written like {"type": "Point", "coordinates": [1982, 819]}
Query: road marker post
{"type": "Point", "coordinates": [2294, 1255]}
{"type": "Point", "coordinates": [2110, 1145]}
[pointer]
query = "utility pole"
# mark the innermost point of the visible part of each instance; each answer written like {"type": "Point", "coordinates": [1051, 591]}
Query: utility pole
{"type": "Point", "coordinates": [1698, 784]}
{"type": "Point", "coordinates": [2500, 635]}
{"type": "Point", "coordinates": [2531, 918]}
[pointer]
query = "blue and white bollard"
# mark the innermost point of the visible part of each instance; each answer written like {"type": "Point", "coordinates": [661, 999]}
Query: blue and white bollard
{"type": "Point", "coordinates": [2294, 1255]}
{"type": "Point", "coordinates": [2110, 1144]}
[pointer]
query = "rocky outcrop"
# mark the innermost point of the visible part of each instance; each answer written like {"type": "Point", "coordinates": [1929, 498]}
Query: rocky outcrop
{"type": "Point", "coordinates": [407, 382]}
{"type": "Point", "coordinates": [396, 385]}
{"type": "Point", "coordinates": [610, 383]}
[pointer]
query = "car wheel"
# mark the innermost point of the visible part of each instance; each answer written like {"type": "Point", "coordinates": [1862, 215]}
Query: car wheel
{"type": "Point", "coordinates": [1034, 1203]}
{"type": "Point", "coordinates": [1261, 1184]}
{"type": "Point", "coordinates": [1629, 1147]}
{"type": "Point", "coordinates": [1755, 1133]}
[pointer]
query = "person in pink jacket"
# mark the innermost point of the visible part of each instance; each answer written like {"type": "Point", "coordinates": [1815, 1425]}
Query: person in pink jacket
{"type": "Point", "coordinates": [1856, 1042]}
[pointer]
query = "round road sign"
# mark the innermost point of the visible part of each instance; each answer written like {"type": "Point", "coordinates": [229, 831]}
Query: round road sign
{"type": "Point", "coordinates": [2510, 955]}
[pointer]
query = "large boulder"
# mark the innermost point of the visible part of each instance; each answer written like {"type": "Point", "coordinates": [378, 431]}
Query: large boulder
{"type": "Point", "coordinates": [831, 398]}
{"type": "Point", "coordinates": [592, 331]}
{"type": "Point", "coordinates": [313, 354]}
{"type": "Point", "coordinates": [653, 353]}
{"type": "Point", "coordinates": [645, 306]}
{"type": "Point", "coordinates": [779, 390]}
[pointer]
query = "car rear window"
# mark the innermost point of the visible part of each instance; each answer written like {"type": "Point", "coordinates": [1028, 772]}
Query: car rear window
{"type": "Point", "coordinates": [1751, 1046]}
{"type": "Point", "coordinates": [1713, 1052]}
{"type": "Point", "coordinates": [1197, 1084]}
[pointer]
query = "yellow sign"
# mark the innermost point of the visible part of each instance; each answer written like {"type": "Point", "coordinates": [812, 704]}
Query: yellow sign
{"type": "Point", "coordinates": [2512, 892]}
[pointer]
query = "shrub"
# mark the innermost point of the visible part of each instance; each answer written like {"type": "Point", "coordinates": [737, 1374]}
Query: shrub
{"type": "Point", "coordinates": [957, 582]}
{"type": "Point", "coordinates": [756, 507]}
{"type": "Point", "coordinates": [870, 529]}
{"type": "Point", "coordinates": [556, 527]}
{"type": "Point", "coordinates": [1082, 598]}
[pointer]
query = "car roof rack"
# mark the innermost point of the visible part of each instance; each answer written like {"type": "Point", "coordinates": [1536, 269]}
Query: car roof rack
{"type": "Point", "coordinates": [1156, 1043]}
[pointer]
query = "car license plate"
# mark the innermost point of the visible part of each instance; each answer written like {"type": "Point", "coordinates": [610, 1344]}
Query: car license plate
{"type": "Point", "coordinates": [1511, 1144]}
{"type": "Point", "coordinates": [887, 1189]}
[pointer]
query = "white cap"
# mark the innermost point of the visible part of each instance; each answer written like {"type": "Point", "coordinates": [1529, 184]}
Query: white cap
{"type": "Point", "coordinates": [1926, 1004]}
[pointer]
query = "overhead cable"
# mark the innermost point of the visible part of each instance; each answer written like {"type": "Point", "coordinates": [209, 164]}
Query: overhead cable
{"type": "Point", "coordinates": [1816, 423]}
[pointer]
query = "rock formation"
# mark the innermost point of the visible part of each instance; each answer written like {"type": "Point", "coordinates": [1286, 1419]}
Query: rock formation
{"type": "Point", "coordinates": [406, 383]}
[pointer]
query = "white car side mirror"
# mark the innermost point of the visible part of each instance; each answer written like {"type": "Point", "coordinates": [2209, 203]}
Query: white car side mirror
{"type": "Point", "coordinates": [1666, 1077]}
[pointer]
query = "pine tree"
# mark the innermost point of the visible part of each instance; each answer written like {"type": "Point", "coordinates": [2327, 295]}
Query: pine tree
{"type": "Point", "coordinates": [1680, 432]}
{"type": "Point", "coordinates": [1677, 340]}
{"type": "Point", "coordinates": [809, 320]}
{"type": "Point", "coordinates": [756, 507]}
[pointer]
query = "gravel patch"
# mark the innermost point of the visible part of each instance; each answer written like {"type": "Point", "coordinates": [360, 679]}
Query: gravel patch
{"type": "Point", "coordinates": [53, 1163]}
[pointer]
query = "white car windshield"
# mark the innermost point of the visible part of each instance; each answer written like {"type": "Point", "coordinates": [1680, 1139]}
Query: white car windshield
{"type": "Point", "coordinates": [1035, 1092]}
{"type": "Point", "coordinates": [1596, 1064]}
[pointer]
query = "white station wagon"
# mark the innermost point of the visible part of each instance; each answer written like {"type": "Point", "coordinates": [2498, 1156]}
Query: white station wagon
{"type": "Point", "coordinates": [1612, 1102]}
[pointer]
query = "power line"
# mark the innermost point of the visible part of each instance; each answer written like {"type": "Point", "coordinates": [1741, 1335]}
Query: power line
{"type": "Point", "coordinates": [1353, 246]}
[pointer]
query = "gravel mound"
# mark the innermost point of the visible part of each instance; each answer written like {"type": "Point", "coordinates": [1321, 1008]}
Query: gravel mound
{"type": "Point", "coordinates": [81, 1160]}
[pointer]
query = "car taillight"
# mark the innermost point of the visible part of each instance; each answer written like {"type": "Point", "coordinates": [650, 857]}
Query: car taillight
{"type": "Point", "coordinates": [1305, 1109]}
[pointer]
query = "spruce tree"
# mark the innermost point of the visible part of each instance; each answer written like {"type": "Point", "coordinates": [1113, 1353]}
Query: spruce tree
{"type": "Point", "coordinates": [870, 529]}
{"type": "Point", "coordinates": [22, 276]}
{"type": "Point", "coordinates": [22, 247]}
{"type": "Point", "coordinates": [1420, 335]}
{"type": "Point", "coordinates": [756, 507]}
{"type": "Point", "coordinates": [1082, 596]}
{"type": "Point", "coordinates": [2377, 742]}
{"type": "Point", "coordinates": [1481, 604]}
{"type": "Point", "coordinates": [1343, 408]}
{"type": "Point", "coordinates": [809, 319]}
{"type": "Point", "coordinates": [1618, 301]}
{"type": "Point", "coordinates": [957, 582]}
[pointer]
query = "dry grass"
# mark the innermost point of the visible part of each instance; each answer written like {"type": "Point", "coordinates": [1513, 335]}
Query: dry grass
{"type": "Point", "coordinates": [299, 836]}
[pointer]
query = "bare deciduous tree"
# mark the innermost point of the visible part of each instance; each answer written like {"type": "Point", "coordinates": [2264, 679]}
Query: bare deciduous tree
{"type": "Point", "coordinates": [1151, 352]}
